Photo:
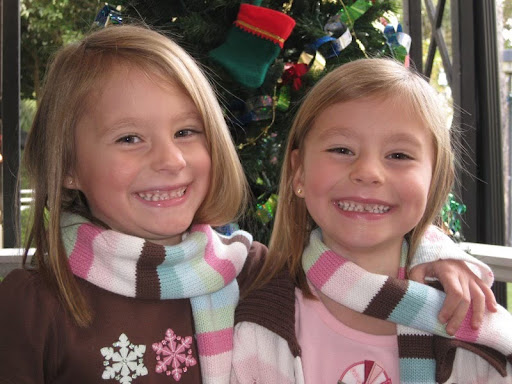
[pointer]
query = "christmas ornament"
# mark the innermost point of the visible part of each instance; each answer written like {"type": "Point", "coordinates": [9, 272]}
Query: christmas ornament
{"type": "Point", "coordinates": [349, 15]}
{"type": "Point", "coordinates": [265, 212]}
{"type": "Point", "coordinates": [253, 43]}
{"type": "Point", "coordinates": [335, 46]}
{"type": "Point", "coordinates": [108, 15]}
{"type": "Point", "coordinates": [398, 42]}
{"type": "Point", "coordinates": [293, 74]}
{"type": "Point", "coordinates": [256, 108]}
{"type": "Point", "coordinates": [451, 214]}
{"type": "Point", "coordinates": [334, 27]}
{"type": "Point", "coordinates": [338, 35]}
{"type": "Point", "coordinates": [283, 99]}
{"type": "Point", "coordinates": [315, 61]}
{"type": "Point", "coordinates": [259, 108]}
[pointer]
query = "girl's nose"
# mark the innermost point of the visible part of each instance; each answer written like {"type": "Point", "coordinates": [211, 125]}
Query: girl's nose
{"type": "Point", "coordinates": [167, 157]}
{"type": "Point", "coordinates": [366, 170]}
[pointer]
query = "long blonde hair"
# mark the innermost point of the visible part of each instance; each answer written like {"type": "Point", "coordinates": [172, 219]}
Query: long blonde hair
{"type": "Point", "coordinates": [359, 79]}
{"type": "Point", "coordinates": [74, 73]}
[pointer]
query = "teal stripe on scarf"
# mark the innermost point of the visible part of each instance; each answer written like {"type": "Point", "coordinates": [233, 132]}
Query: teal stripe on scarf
{"type": "Point", "coordinates": [422, 320]}
{"type": "Point", "coordinates": [170, 283]}
{"type": "Point", "coordinates": [411, 303]}
{"type": "Point", "coordinates": [174, 255]}
{"type": "Point", "coordinates": [417, 371]}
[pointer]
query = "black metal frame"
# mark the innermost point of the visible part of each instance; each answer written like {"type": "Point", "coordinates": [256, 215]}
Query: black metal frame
{"type": "Point", "coordinates": [10, 116]}
{"type": "Point", "coordinates": [472, 74]}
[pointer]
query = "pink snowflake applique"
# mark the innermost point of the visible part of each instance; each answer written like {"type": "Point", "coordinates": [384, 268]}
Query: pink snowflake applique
{"type": "Point", "coordinates": [174, 355]}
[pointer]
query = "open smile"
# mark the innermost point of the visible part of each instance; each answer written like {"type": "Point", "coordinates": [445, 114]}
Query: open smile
{"type": "Point", "coordinates": [162, 195]}
{"type": "Point", "coordinates": [352, 206]}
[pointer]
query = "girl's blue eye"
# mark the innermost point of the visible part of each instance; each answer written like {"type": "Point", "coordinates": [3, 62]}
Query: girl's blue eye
{"type": "Point", "coordinates": [128, 139]}
{"type": "Point", "coordinates": [341, 151]}
{"type": "Point", "coordinates": [400, 156]}
{"type": "Point", "coordinates": [185, 132]}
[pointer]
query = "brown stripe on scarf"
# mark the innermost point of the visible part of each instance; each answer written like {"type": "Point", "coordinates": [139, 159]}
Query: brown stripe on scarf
{"type": "Point", "coordinates": [238, 238]}
{"type": "Point", "coordinates": [147, 284]}
{"type": "Point", "coordinates": [385, 301]}
{"type": "Point", "coordinates": [416, 346]}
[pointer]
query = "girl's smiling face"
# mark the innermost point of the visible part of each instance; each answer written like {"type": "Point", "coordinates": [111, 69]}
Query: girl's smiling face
{"type": "Point", "coordinates": [365, 175]}
{"type": "Point", "coordinates": [142, 158]}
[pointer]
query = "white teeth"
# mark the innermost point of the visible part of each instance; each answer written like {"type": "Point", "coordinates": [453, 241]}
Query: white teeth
{"type": "Point", "coordinates": [351, 206]}
{"type": "Point", "coordinates": [161, 196]}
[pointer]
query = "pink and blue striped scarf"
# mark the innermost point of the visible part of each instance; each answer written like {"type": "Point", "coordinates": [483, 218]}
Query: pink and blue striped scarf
{"type": "Point", "coordinates": [203, 267]}
{"type": "Point", "coordinates": [412, 306]}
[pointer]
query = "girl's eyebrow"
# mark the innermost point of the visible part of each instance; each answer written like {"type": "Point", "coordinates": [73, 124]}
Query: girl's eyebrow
{"type": "Point", "coordinates": [331, 132]}
{"type": "Point", "coordinates": [345, 131]}
{"type": "Point", "coordinates": [407, 138]}
{"type": "Point", "coordinates": [188, 115]}
{"type": "Point", "coordinates": [134, 120]}
{"type": "Point", "coordinates": [112, 126]}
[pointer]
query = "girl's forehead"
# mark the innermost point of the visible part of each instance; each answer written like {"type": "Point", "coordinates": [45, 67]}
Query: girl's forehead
{"type": "Point", "coordinates": [127, 70]}
{"type": "Point", "coordinates": [124, 74]}
{"type": "Point", "coordinates": [122, 85]}
{"type": "Point", "coordinates": [404, 107]}
{"type": "Point", "coordinates": [380, 113]}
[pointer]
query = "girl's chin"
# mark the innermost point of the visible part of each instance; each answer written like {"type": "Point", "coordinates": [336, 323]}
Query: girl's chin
{"type": "Point", "coordinates": [172, 240]}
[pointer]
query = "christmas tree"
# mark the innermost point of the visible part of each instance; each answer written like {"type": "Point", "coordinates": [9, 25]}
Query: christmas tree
{"type": "Point", "coordinates": [262, 57]}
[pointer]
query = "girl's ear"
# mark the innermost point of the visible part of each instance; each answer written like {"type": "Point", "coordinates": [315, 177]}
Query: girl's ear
{"type": "Point", "coordinates": [70, 182]}
{"type": "Point", "coordinates": [298, 173]}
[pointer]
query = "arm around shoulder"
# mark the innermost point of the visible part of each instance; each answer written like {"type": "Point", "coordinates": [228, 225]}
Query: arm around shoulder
{"type": "Point", "coordinates": [435, 245]}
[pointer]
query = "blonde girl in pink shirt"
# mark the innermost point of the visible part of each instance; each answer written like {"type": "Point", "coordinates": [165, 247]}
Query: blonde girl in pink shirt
{"type": "Point", "coordinates": [367, 168]}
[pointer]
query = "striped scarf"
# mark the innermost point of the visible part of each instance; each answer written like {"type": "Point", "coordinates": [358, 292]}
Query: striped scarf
{"type": "Point", "coordinates": [412, 306]}
{"type": "Point", "coordinates": [203, 267]}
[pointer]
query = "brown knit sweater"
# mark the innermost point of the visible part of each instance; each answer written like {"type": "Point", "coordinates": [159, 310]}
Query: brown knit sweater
{"type": "Point", "coordinates": [39, 343]}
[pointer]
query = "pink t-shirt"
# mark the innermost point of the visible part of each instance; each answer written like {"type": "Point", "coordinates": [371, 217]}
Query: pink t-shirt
{"type": "Point", "coordinates": [334, 353]}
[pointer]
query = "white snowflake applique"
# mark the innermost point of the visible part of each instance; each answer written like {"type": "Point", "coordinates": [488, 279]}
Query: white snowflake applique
{"type": "Point", "coordinates": [123, 361]}
{"type": "Point", "coordinates": [174, 355]}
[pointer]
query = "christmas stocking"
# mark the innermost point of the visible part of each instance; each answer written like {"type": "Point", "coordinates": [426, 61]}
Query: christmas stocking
{"type": "Point", "coordinates": [253, 43]}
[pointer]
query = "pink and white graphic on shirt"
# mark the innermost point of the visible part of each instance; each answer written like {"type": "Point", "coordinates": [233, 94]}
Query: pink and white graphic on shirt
{"type": "Point", "coordinates": [174, 355]}
{"type": "Point", "coordinates": [365, 372]}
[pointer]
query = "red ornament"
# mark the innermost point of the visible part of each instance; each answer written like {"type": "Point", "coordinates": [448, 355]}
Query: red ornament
{"type": "Point", "coordinates": [293, 74]}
